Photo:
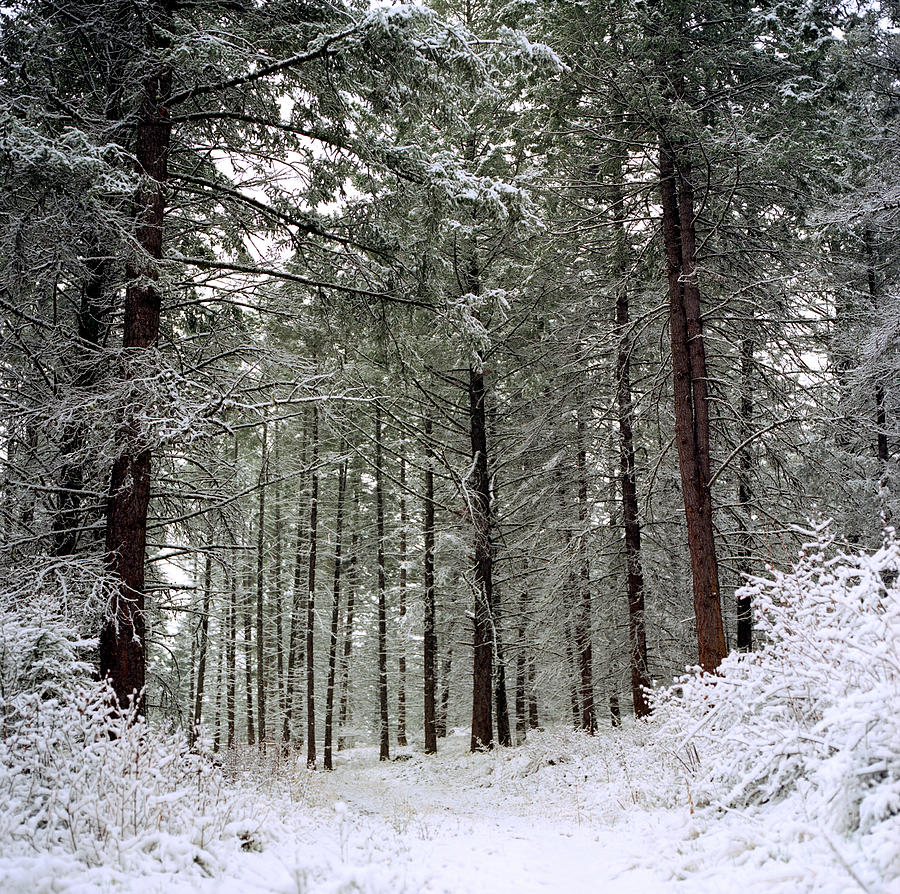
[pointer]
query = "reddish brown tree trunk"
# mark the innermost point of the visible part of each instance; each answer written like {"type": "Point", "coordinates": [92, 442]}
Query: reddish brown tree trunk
{"type": "Point", "coordinates": [123, 636]}
{"type": "Point", "coordinates": [691, 402]}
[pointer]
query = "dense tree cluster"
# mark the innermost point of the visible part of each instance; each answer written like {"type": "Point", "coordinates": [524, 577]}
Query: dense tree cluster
{"type": "Point", "coordinates": [368, 369]}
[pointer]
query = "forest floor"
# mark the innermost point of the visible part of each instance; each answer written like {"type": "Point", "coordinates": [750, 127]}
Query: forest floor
{"type": "Point", "coordinates": [562, 813]}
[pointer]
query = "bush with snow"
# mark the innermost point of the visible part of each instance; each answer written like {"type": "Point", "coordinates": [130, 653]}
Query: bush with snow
{"type": "Point", "coordinates": [80, 778]}
{"type": "Point", "coordinates": [814, 714]}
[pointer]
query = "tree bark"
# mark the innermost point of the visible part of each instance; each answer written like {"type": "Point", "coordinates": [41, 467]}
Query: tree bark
{"type": "Point", "coordinates": [295, 641]}
{"type": "Point", "coordinates": [344, 709]}
{"type": "Point", "coordinates": [275, 595]}
{"type": "Point", "coordinates": [480, 509]}
{"type": "Point", "coordinates": [335, 616]}
{"type": "Point", "coordinates": [203, 646]}
{"type": "Point", "coordinates": [691, 401]}
{"type": "Point", "coordinates": [745, 492]}
{"type": "Point", "coordinates": [260, 593]}
{"type": "Point", "coordinates": [429, 639]}
{"type": "Point", "coordinates": [881, 442]}
{"type": "Point", "coordinates": [230, 649]}
{"type": "Point", "coordinates": [91, 325]}
{"type": "Point", "coordinates": [248, 655]}
{"type": "Point", "coordinates": [385, 750]}
{"type": "Point", "coordinates": [401, 677]}
{"type": "Point", "coordinates": [441, 725]}
{"type": "Point", "coordinates": [583, 632]}
{"type": "Point", "coordinates": [640, 677]}
{"type": "Point", "coordinates": [311, 599]}
{"type": "Point", "coordinates": [123, 635]}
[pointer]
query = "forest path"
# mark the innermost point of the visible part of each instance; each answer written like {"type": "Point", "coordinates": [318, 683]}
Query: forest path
{"type": "Point", "coordinates": [457, 832]}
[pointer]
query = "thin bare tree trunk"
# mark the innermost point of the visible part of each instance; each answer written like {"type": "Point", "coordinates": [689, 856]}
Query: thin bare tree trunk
{"type": "Point", "coordinates": [429, 639]}
{"type": "Point", "coordinates": [441, 729]}
{"type": "Point", "coordinates": [344, 709]}
{"type": "Point", "coordinates": [248, 655]}
{"type": "Point", "coordinates": [293, 692]}
{"type": "Point", "coordinates": [480, 509]}
{"type": "Point", "coordinates": [276, 595]}
{"type": "Point", "coordinates": [745, 492]}
{"type": "Point", "coordinates": [401, 679]}
{"type": "Point", "coordinates": [204, 643]}
{"type": "Point", "coordinates": [230, 648]}
{"type": "Point", "coordinates": [385, 750]}
{"type": "Point", "coordinates": [311, 599]}
{"type": "Point", "coordinates": [533, 720]}
{"type": "Point", "coordinates": [583, 629]}
{"type": "Point", "coordinates": [260, 591]}
{"type": "Point", "coordinates": [640, 678]}
{"type": "Point", "coordinates": [335, 616]}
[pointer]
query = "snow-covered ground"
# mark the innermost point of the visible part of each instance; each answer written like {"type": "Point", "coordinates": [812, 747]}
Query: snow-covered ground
{"type": "Point", "coordinates": [779, 773]}
{"type": "Point", "coordinates": [563, 813]}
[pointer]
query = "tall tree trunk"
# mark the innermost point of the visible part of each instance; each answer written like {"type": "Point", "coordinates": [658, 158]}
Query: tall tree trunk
{"type": "Point", "coordinates": [90, 328]}
{"type": "Point", "coordinates": [533, 720]}
{"type": "Point", "coordinates": [248, 653]}
{"type": "Point", "coordinates": [881, 443]}
{"type": "Point", "coordinates": [385, 751]}
{"type": "Point", "coordinates": [204, 644]}
{"type": "Point", "coordinates": [637, 635]}
{"type": "Point", "coordinates": [231, 636]}
{"type": "Point", "coordinates": [429, 639]}
{"type": "Point", "coordinates": [335, 615]}
{"type": "Point", "coordinates": [276, 596]}
{"type": "Point", "coordinates": [401, 678]}
{"type": "Point", "coordinates": [583, 632]}
{"type": "Point", "coordinates": [521, 700]}
{"type": "Point", "coordinates": [344, 709]}
{"type": "Point", "coordinates": [230, 648]}
{"type": "Point", "coordinates": [220, 666]}
{"type": "Point", "coordinates": [311, 599]}
{"type": "Point", "coordinates": [480, 503]}
{"type": "Point", "coordinates": [260, 591]}
{"type": "Point", "coordinates": [745, 492]}
{"type": "Point", "coordinates": [295, 641]}
{"type": "Point", "coordinates": [691, 401]}
{"type": "Point", "coordinates": [504, 733]}
{"type": "Point", "coordinates": [572, 656]}
{"type": "Point", "coordinates": [123, 635]}
{"type": "Point", "coordinates": [441, 729]}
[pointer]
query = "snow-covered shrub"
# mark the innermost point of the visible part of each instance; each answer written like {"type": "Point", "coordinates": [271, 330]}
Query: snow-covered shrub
{"type": "Point", "coordinates": [47, 607]}
{"type": "Point", "coordinates": [79, 776]}
{"type": "Point", "coordinates": [815, 712]}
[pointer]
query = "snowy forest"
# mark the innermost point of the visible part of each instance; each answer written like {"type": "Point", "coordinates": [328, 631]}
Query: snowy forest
{"type": "Point", "coordinates": [493, 402]}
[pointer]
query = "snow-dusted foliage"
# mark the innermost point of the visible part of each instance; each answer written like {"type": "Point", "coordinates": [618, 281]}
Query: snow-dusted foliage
{"type": "Point", "coordinates": [79, 777]}
{"type": "Point", "coordinates": [814, 714]}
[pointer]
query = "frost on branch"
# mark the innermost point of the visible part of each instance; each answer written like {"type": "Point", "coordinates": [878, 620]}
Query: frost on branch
{"type": "Point", "coordinates": [815, 713]}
